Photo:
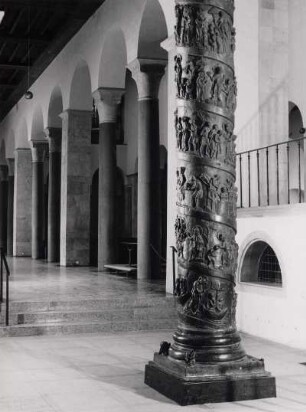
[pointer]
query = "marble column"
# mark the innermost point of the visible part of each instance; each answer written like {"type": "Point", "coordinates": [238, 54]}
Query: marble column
{"type": "Point", "coordinates": [75, 188]}
{"type": "Point", "coordinates": [54, 137]}
{"type": "Point", "coordinates": [22, 225]}
{"type": "Point", "coordinates": [10, 205]}
{"type": "Point", "coordinates": [39, 149]}
{"type": "Point", "coordinates": [147, 74]}
{"type": "Point", "coordinates": [3, 205]}
{"type": "Point", "coordinates": [107, 101]}
{"type": "Point", "coordinates": [206, 361]}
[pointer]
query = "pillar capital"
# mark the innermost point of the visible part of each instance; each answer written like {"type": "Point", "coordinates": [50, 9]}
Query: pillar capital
{"type": "Point", "coordinates": [3, 172]}
{"type": "Point", "coordinates": [39, 149]}
{"type": "Point", "coordinates": [11, 166]}
{"type": "Point", "coordinates": [107, 101]}
{"type": "Point", "coordinates": [147, 74]}
{"type": "Point", "coordinates": [54, 137]}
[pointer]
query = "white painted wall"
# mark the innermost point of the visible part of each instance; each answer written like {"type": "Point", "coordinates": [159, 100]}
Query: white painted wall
{"type": "Point", "coordinates": [269, 312]}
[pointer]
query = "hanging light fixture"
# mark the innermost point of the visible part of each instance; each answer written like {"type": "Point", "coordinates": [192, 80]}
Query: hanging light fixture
{"type": "Point", "coordinates": [28, 94]}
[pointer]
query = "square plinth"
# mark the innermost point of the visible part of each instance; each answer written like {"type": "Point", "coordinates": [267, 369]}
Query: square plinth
{"type": "Point", "coordinates": [208, 389]}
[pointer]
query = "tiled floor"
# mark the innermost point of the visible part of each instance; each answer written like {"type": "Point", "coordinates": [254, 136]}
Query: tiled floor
{"type": "Point", "coordinates": [39, 281]}
{"type": "Point", "coordinates": [104, 373]}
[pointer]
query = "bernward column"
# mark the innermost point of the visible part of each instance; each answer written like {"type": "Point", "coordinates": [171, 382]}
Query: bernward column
{"type": "Point", "coordinates": [147, 75]}
{"type": "Point", "coordinates": [206, 361]}
{"type": "Point", "coordinates": [107, 101]}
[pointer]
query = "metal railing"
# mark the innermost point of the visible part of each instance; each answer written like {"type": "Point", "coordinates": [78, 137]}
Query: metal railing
{"type": "Point", "coordinates": [4, 265]}
{"type": "Point", "coordinates": [271, 175]}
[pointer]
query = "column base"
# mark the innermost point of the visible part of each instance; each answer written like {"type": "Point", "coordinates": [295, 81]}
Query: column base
{"type": "Point", "coordinates": [210, 383]}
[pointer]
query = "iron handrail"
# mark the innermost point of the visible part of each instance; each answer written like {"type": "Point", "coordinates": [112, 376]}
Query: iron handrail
{"type": "Point", "coordinates": [298, 139]}
{"type": "Point", "coordinates": [3, 262]}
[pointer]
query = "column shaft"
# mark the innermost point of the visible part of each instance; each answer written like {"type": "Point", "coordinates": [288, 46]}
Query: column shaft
{"type": "Point", "coordinates": [54, 204]}
{"type": "Point", "coordinates": [22, 203]}
{"type": "Point", "coordinates": [148, 221]}
{"type": "Point", "coordinates": [75, 188]}
{"type": "Point", "coordinates": [54, 136]}
{"type": "Point", "coordinates": [107, 195]}
{"type": "Point", "coordinates": [37, 210]}
{"type": "Point", "coordinates": [10, 215]}
{"type": "Point", "coordinates": [3, 207]}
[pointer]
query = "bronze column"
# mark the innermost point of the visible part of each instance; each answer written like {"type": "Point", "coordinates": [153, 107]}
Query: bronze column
{"type": "Point", "coordinates": [206, 362]}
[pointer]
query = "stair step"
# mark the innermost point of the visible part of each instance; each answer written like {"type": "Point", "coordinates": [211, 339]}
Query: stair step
{"type": "Point", "coordinates": [92, 327]}
{"type": "Point", "coordinates": [93, 305]}
{"type": "Point", "coordinates": [82, 316]}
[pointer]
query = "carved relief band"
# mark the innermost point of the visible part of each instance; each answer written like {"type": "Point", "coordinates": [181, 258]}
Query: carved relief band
{"type": "Point", "coordinates": [206, 361]}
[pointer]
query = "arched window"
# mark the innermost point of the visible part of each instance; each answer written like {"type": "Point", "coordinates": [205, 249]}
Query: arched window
{"type": "Point", "coordinates": [260, 265]}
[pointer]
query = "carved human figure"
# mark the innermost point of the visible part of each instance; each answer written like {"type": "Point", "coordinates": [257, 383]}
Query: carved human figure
{"type": "Point", "coordinates": [189, 80]}
{"type": "Point", "coordinates": [186, 133]}
{"type": "Point", "coordinates": [204, 144]}
{"type": "Point", "coordinates": [197, 291]}
{"type": "Point", "coordinates": [181, 181]}
{"type": "Point", "coordinates": [217, 78]}
{"type": "Point", "coordinates": [179, 132]}
{"type": "Point", "coordinates": [178, 74]}
{"type": "Point", "coordinates": [181, 287]}
{"type": "Point", "coordinates": [213, 193]}
{"type": "Point", "coordinates": [215, 256]}
{"type": "Point", "coordinates": [198, 244]}
{"type": "Point", "coordinates": [195, 186]}
{"type": "Point", "coordinates": [185, 25]}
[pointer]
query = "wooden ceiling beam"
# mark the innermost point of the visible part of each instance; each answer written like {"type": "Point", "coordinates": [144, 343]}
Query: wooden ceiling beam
{"type": "Point", "coordinates": [4, 38]}
{"type": "Point", "coordinates": [13, 66]}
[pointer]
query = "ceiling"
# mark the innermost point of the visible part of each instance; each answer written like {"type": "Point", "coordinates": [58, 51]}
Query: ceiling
{"type": "Point", "coordinates": [32, 33]}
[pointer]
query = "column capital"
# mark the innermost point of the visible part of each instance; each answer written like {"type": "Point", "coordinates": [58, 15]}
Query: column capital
{"type": "Point", "coordinates": [54, 137]}
{"type": "Point", "coordinates": [169, 44]}
{"type": "Point", "coordinates": [147, 74]}
{"type": "Point", "coordinates": [3, 172]}
{"type": "Point", "coordinates": [107, 101]}
{"type": "Point", "coordinates": [11, 166]}
{"type": "Point", "coordinates": [39, 149]}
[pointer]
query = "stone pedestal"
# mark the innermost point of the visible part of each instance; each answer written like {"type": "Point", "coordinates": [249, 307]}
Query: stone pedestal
{"type": "Point", "coordinates": [75, 187]}
{"type": "Point", "coordinates": [3, 205]}
{"type": "Point", "coordinates": [22, 225]}
{"type": "Point", "coordinates": [39, 149]}
{"type": "Point", "coordinates": [10, 205]}
{"type": "Point", "coordinates": [54, 136]}
{"type": "Point", "coordinates": [147, 74]}
{"type": "Point", "coordinates": [107, 101]}
{"type": "Point", "coordinates": [206, 361]}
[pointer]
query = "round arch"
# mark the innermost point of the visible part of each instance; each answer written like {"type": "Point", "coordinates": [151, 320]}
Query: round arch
{"type": "Point", "coordinates": [112, 69]}
{"type": "Point", "coordinates": [55, 108]}
{"type": "Point", "coordinates": [80, 95]}
{"type": "Point", "coordinates": [260, 237]}
{"type": "Point", "coordinates": [37, 127]}
{"type": "Point", "coordinates": [153, 30]}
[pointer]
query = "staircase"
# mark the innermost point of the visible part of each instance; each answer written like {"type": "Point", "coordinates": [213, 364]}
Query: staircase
{"type": "Point", "coordinates": [89, 316]}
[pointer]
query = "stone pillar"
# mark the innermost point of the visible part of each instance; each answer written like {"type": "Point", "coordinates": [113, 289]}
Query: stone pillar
{"type": "Point", "coordinates": [10, 206]}
{"type": "Point", "coordinates": [3, 205]}
{"type": "Point", "coordinates": [54, 136]}
{"type": "Point", "coordinates": [206, 362]}
{"type": "Point", "coordinates": [75, 187]}
{"type": "Point", "coordinates": [107, 101]}
{"type": "Point", "coordinates": [22, 225]}
{"type": "Point", "coordinates": [39, 149]}
{"type": "Point", "coordinates": [147, 74]}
